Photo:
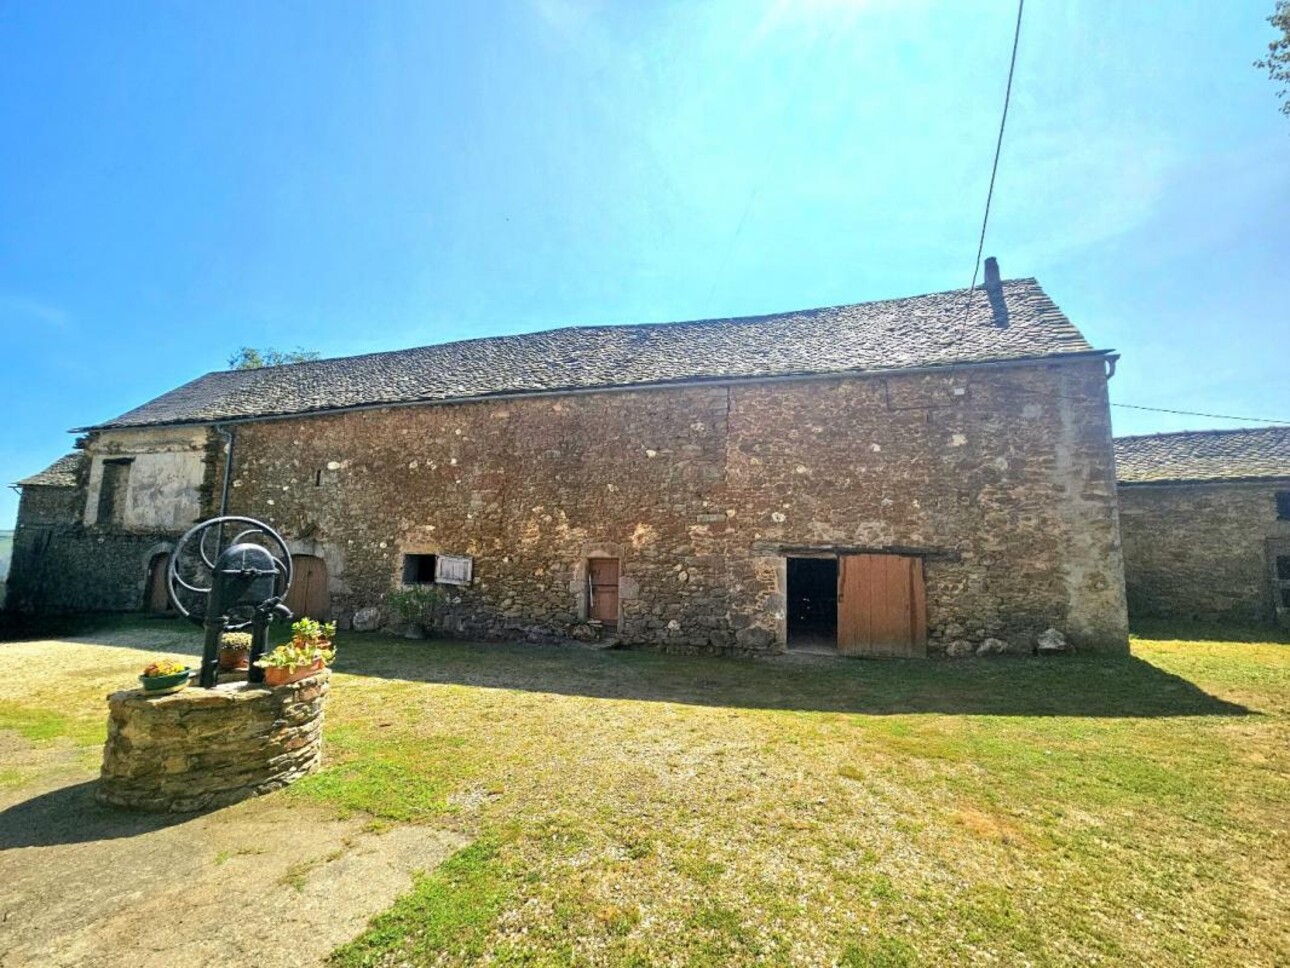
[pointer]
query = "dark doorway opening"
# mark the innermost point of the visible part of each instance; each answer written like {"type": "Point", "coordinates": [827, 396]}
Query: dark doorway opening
{"type": "Point", "coordinates": [813, 604]}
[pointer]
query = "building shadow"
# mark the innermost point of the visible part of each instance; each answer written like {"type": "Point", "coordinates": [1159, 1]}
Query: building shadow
{"type": "Point", "coordinates": [71, 815]}
{"type": "Point", "coordinates": [1076, 685]}
{"type": "Point", "coordinates": [1086, 686]}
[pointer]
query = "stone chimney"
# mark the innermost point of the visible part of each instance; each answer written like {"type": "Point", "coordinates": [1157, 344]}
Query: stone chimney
{"type": "Point", "coordinates": [994, 290]}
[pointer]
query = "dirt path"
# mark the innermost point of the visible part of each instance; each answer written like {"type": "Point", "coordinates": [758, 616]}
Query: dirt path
{"type": "Point", "coordinates": [268, 882]}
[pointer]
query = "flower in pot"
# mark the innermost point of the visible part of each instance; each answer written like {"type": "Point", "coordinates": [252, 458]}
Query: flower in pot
{"type": "Point", "coordinates": [165, 675]}
{"type": "Point", "coordinates": [234, 651]}
{"type": "Point", "coordinates": [308, 652]}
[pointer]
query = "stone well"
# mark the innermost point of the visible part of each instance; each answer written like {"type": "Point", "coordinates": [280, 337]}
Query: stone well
{"type": "Point", "coordinates": [198, 749]}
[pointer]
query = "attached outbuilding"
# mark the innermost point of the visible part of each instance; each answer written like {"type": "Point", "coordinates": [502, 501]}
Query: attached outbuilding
{"type": "Point", "coordinates": [884, 478]}
{"type": "Point", "coordinates": [1205, 522]}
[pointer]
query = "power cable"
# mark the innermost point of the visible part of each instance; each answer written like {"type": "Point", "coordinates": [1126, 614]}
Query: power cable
{"type": "Point", "coordinates": [994, 169]}
{"type": "Point", "coordinates": [1197, 413]}
{"type": "Point", "coordinates": [1013, 388]}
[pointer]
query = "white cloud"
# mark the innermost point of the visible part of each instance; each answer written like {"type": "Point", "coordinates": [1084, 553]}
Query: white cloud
{"type": "Point", "coordinates": [28, 310]}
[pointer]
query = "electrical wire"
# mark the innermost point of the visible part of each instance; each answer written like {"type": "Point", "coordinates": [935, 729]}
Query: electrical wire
{"type": "Point", "coordinates": [1047, 395]}
{"type": "Point", "coordinates": [994, 169]}
{"type": "Point", "coordinates": [1196, 413]}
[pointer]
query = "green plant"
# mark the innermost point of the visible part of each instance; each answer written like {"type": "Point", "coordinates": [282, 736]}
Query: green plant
{"type": "Point", "coordinates": [235, 641]}
{"type": "Point", "coordinates": [162, 668]}
{"type": "Point", "coordinates": [418, 604]}
{"type": "Point", "coordinates": [311, 641]}
{"type": "Point", "coordinates": [308, 633]}
{"type": "Point", "coordinates": [292, 657]}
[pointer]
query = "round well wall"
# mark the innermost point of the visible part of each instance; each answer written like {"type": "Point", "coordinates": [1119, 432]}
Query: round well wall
{"type": "Point", "coordinates": [198, 749]}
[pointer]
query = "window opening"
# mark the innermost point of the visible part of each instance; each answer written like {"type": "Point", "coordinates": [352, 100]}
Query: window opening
{"type": "Point", "coordinates": [418, 569]}
{"type": "Point", "coordinates": [112, 489]}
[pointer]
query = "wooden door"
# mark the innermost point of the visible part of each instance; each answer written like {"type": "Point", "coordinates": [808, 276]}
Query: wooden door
{"type": "Point", "coordinates": [308, 595]}
{"type": "Point", "coordinates": [157, 601]}
{"type": "Point", "coordinates": [602, 590]}
{"type": "Point", "coordinates": [1279, 574]}
{"type": "Point", "coordinates": [882, 606]}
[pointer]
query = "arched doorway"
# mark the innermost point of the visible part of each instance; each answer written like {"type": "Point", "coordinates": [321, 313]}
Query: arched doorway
{"type": "Point", "coordinates": [309, 595]}
{"type": "Point", "coordinates": [156, 600]}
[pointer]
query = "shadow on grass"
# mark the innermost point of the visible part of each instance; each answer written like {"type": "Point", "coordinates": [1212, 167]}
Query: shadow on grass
{"type": "Point", "coordinates": [15, 627]}
{"type": "Point", "coordinates": [71, 815]}
{"type": "Point", "coordinates": [1084, 685]}
{"type": "Point", "coordinates": [1066, 686]}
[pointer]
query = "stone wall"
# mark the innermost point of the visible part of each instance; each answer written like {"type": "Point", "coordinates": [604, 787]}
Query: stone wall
{"type": "Point", "coordinates": [65, 560]}
{"type": "Point", "coordinates": [73, 568]}
{"type": "Point", "coordinates": [1002, 476]}
{"type": "Point", "coordinates": [1199, 551]}
{"type": "Point", "coordinates": [60, 565]}
{"type": "Point", "coordinates": [199, 749]}
{"type": "Point", "coordinates": [164, 488]}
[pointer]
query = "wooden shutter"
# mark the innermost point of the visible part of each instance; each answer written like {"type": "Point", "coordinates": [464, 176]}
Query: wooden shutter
{"type": "Point", "coordinates": [882, 607]}
{"type": "Point", "coordinates": [453, 569]}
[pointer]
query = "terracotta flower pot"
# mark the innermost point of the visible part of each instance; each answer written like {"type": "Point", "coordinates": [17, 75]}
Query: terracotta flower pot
{"type": "Point", "coordinates": [234, 660]}
{"type": "Point", "coordinates": [279, 676]}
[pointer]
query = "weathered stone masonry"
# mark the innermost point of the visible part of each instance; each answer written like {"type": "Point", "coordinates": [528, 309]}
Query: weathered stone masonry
{"type": "Point", "coordinates": [1003, 474]}
{"type": "Point", "coordinates": [65, 559]}
{"type": "Point", "coordinates": [1201, 550]}
{"type": "Point", "coordinates": [199, 749]}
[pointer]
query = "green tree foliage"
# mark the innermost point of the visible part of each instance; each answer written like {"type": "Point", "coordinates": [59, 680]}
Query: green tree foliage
{"type": "Point", "coordinates": [1277, 63]}
{"type": "Point", "coordinates": [250, 358]}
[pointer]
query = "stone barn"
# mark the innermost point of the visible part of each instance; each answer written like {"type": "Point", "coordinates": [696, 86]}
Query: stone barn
{"type": "Point", "coordinates": [883, 478]}
{"type": "Point", "coordinates": [1205, 520]}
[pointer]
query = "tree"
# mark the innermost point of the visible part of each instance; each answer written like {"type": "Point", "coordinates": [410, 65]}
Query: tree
{"type": "Point", "coordinates": [249, 358]}
{"type": "Point", "coordinates": [1277, 63]}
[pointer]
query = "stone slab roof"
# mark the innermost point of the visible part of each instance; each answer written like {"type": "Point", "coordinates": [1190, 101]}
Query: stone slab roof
{"type": "Point", "coordinates": [61, 473]}
{"type": "Point", "coordinates": [919, 331]}
{"type": "Point", "coordinates": [1204, 455]}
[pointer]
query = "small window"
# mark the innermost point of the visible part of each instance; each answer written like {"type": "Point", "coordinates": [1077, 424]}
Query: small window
{"type": "Point", "coordinates": [453, 569]}
{"type": "Point", "coordinates": [1283, 505]}
{"type": "Point", "coordinates": [418, 569]}
{"type": "Point", "coordinates": [112, 490]}
{"type": "Point", "coordinates": [1283, 567]}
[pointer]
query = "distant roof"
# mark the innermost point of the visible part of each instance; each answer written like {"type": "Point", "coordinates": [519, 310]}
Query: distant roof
{"type": "Point", "coordinates": [918, 331]}
{"type": "Point", "coordinates": [61, 473]}
{"type": "Point", "coordinates": [1204, 455]}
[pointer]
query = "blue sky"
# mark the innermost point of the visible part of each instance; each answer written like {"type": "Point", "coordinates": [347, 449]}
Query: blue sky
{"type": "Point", "coordinates": [181, 179]}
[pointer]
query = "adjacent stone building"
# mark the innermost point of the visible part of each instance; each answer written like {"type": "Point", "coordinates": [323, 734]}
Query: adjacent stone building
{"type": "Point", "coordinates": [1205, 520]}
{"type": "Point", "coordinates": [887, 477]}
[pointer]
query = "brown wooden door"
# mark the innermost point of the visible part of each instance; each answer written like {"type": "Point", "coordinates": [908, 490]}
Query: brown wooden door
{"type": "Point", "coordinates": [308, 595]}
{"type": "Point", "coordinates": [882, 606]}
{"type": "Point", "coordinates": [158, 598]}
{"type": "Point", "coordinates": [602, 586]}
{"type": "Point", "coordinates": [1279, 573]}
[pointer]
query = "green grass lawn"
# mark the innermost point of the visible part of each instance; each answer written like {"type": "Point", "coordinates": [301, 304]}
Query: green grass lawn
{"type": "Point", "coordinates": [629, 808]}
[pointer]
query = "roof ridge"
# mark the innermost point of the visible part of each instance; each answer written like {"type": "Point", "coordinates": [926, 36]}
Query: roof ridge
{"type": "Point", "coordinates": [942, 329]}
{"type": "Point", "coordinates": [1207, 430]}
{"type": "Point", "coordinates": [595, 327]}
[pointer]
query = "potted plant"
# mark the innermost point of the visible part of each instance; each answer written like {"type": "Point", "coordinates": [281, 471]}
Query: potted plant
{"type": "Point", "coordinates": [164, 676]}
{"type": "Point", "coordinates": [234, 651]}
{"type": "Point", "coordinates": [308, 652]}
{"type": "Point", "coordinates": [418, 606]}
